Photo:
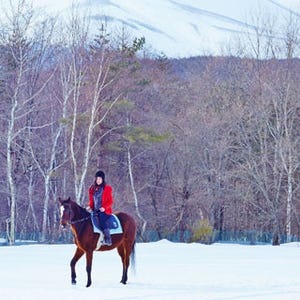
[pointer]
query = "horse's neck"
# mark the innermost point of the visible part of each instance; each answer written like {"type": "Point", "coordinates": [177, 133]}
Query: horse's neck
{"type": "Point", "coordinates": [81, 216]}
{"type": "Point", "coordinates": [80, 212]}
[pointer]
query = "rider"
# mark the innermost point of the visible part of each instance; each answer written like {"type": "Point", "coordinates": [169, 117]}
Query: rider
{"type": "Point", "coordinates": [100, 202]}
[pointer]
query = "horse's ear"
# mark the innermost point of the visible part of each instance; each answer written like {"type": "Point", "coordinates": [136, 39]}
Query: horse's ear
{"type": "Point", "coordinates": [60, 200]}
{"type": "Point", "coordinates": [69, 199]}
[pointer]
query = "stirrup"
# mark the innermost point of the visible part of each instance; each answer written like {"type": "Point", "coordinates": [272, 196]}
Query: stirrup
{"type": "Point", "coordinates": [107, 243]}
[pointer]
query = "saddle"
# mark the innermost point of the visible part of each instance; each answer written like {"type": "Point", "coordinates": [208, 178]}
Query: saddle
{"type": "Point", "coordinates": [114, 225]}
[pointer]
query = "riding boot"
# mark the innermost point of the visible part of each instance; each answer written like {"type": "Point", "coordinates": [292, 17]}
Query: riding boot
{"type": "Point", "coordinates": [107, 237]}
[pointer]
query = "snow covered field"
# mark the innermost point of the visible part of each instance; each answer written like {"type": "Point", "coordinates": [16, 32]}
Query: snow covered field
{"type": "Point", "coordinates": [164, 270]}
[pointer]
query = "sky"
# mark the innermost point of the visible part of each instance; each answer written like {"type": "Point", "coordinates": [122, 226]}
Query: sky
{"type": "Point", "coordinates": [178, 28]}
{"type": "Point", "coordinates": [164, 270]}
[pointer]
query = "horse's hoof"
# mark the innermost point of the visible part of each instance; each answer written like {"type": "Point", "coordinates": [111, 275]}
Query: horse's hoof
{"type": "Point", "coordinates": [74, 282]}
{"type": "Point", "coordinates": [88, 284]}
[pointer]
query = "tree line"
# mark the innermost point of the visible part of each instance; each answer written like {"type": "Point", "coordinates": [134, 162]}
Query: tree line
{"type": "Point", "coordinates": [182, 141]}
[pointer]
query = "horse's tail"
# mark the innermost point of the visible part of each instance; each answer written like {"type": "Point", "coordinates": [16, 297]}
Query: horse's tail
{"type": "Point", "coordinates": [132, 257]}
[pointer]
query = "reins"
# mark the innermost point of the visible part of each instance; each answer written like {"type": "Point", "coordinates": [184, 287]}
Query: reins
{"type": "Point", "coordinates": [80, 220]}
{"type": "Point", "coordinates": [77, 221]}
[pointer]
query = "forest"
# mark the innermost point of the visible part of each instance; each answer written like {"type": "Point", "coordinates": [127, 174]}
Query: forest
{"type": "Point", "coordinates": [197, 149]}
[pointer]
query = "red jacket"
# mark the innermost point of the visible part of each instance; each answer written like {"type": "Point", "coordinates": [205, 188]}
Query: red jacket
{"type": "Point", "coordinates": [107, 198]}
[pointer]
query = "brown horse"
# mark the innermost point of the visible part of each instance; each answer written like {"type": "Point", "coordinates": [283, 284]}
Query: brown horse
{"type": "Point", "coordinates": [86, 240]}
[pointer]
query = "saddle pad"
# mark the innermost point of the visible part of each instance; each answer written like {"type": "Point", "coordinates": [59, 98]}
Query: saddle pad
{"type": "Point", "coordinates": [116, 230]}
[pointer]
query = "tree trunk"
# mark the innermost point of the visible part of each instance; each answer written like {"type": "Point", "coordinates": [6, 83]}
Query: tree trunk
{"type": "Point", "coordinates": [136, 201]}
{"type": "Point", "coordinates": [9, 173]}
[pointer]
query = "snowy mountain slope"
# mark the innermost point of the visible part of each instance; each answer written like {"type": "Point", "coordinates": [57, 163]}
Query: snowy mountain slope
{"type": "Point", "coordinates": [178, 28]}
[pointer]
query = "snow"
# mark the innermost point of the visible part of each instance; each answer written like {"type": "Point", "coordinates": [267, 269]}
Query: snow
{"type": "Point", "coordinates": [164, 270]}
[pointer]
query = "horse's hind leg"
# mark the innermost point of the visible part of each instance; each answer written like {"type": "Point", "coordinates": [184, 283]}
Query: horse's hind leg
{"type": "Point", "coordinates": [73, 262]}
{"type": "Point", "coordinates": [121, 252]}
{"type": "Point", "coordinates": [124, 252]}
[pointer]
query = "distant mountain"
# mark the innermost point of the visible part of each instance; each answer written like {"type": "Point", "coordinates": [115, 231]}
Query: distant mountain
{"type": "Point", "coordinates": [180, 28]}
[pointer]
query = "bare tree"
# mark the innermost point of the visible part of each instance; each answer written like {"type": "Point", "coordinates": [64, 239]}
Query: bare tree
{"type": "Point", "coordinates": [18, 57]}
{"type": "Point", "coordinates": [86, 76]}
{"type": "Point", "coordinates": [271, 145]}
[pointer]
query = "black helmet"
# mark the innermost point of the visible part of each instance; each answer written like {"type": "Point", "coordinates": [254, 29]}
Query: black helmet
{"type": "Point", "coordinates": [100, 174]}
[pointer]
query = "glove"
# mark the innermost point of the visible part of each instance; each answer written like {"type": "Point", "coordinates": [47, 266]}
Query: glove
{"type": "Point", "coordinates": [88, 208]}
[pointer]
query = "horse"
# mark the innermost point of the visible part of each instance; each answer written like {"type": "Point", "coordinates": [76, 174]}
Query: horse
{"type": "Point", "coordinates": [86, 240]}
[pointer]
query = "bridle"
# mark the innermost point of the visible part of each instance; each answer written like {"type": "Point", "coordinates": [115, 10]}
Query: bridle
{"type": "Point", "coordinates": [71, 222]}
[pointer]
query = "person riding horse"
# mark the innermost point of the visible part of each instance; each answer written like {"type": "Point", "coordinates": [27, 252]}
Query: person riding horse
{"type": "Point", "coordinates": [100, 204]}
{"type": "Point", "coordinates": [86, 240]}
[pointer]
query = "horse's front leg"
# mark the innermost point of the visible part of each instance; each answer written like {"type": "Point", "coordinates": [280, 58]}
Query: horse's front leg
{"type": "Point", "coordinates": [89, 258]}
{"type": "Point", "coordinates": [73, 262]}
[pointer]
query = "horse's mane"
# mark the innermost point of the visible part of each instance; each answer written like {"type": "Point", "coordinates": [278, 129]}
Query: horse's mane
{"type": "Point", "coordinates": [81, 210]}
{"type": "Point", "coordinates": [78, 210]}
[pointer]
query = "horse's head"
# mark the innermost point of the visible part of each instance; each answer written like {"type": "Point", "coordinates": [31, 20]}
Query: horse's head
{"type": "Point", "coordinates": [66, 211]}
